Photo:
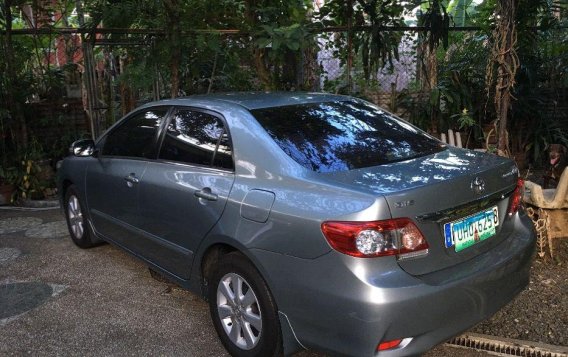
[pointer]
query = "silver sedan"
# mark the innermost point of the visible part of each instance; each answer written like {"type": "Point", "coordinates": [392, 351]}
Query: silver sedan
{"type": "Point", "coordinates": [308, 221]}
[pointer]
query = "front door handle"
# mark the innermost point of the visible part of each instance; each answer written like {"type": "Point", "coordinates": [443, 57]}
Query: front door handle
{"type": "Point", "coordinates": [206, 194]}
{"type": "Point", "coordinates": [131, 180]}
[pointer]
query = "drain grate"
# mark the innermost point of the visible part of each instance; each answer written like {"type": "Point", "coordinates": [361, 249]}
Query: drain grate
{"type": "Point", "coordinates": [507, 347]}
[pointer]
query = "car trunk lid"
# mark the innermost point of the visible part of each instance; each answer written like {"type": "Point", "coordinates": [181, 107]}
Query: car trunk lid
{"type": "Point", "coordinates": [439, 189]}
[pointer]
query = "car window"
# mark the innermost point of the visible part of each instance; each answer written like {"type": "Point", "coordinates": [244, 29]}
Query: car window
{"type": "Point", "coordinates": [343, 135]}
{"type": "Point", "coordinates": [197, 138]}
{"type": "Point", "coordinates": [136, 137]}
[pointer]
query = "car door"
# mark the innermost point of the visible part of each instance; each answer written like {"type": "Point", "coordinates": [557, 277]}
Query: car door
{"type": "Point", "coordinates": [112, 180]}
{"type": "Point", "coordinates": [184, 193]}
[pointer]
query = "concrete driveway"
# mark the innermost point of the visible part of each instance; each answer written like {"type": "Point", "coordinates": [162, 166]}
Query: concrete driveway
{"type": "Point", "coordinates": [56, 299]}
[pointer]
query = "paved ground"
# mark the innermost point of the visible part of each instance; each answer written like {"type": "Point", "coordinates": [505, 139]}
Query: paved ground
{"type": "Point", "coordinates": [56, 299]}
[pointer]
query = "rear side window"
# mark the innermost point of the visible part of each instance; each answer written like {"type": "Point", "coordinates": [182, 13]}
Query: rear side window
{"type": "Point", "coordinates": [137, 136]}
{"type": "Point", "coordinates": [197, 138]}
{"type": "Point", "coordinates": [343, 135]}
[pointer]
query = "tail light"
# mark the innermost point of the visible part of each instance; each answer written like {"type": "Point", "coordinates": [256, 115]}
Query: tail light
{"type": "Point", "coordinates": [515, 200]}
{"type": "Point", "coordinates": [387, 345]}
{"type": "Point", "coordinates": [375, 239]}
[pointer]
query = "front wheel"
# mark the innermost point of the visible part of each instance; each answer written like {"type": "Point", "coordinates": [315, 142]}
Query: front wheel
{"type": "Point", "coordinates": [77, 222]}
{"type": "Point", "coordinates": [243, 310]}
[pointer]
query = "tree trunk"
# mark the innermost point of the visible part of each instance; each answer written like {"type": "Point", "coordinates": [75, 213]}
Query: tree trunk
{"type": "Point", "coordinates": [127, 99]}
{"type": "Point", "coordinates": [261, 70]}
{"type": "Point", "coordinates": [173, 36]}
{"type": "Point", "coordinates": [12, 102]}
{"type": "Point", "coordinates": [107, 88]}
{"type": "Point", "coordinates": [349, 45]}
{"type": "Point", "coordinates": [213, 72]}
{"type": "Point", "coordinates": [429, 80]}
{"type": "Point", "coordinates": [504, 57]}
{"type": "Point", "coordinates": [89, 77]}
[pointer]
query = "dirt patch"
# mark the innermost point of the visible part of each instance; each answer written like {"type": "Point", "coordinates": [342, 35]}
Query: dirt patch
{"type": "Point", "coordinates": [540, 312]}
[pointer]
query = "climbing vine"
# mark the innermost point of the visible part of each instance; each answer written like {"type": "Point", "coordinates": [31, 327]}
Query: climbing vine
{"type": "Point", "coordinates": [502, 68]}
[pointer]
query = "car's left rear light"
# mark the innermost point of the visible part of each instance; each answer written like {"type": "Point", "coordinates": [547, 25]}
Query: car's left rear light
{"type": "Point", "coordinates": [398, 236]}
{"type": "Point", "coordinates": [516, 197]}
{"type": "Point", "coordinates": [387, 345]}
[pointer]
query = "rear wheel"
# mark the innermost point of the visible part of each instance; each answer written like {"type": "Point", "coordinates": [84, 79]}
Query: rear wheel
{"type": "Point", "coordinates": [77, 223]}
{"type": "Point", "coordinates": [243, 310]}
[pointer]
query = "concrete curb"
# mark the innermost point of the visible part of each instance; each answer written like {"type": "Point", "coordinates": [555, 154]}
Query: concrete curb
{"type": "Point", "coordinates": [41, 203]}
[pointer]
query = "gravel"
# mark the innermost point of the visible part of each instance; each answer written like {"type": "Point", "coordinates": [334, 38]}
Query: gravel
{"type": "Point", "coordinates": [540, 312]}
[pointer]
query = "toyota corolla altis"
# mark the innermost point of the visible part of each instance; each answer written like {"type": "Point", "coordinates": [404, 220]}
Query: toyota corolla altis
{"type": "Point", "coordinates": [306, 220]}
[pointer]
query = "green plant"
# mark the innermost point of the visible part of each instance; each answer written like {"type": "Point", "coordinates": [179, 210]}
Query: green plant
{"type": "Point", "coordinates": [458, 97]}
{"type": "Point", "coordinates": [27, 181]}
{"type": "Point", "coordinates": [374, 48]}
{"type": "Point", "coordinates": [25, 174]}
{"type": "Point", "coordinates": [8, 175]}
{"type": "Point", "coordinates": [437, 19]}
{"type": "Point", "coordinates": [464, 119]}
{"type": "Point", "coordinates": [543, 133]}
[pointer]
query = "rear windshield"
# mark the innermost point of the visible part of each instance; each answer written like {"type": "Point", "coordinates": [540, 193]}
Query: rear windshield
{"type": "Point", "coordinates": [343, 135]}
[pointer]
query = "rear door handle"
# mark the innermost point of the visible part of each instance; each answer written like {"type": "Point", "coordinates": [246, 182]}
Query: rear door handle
{"type": "Point", "coordinates": [131, 179]}
{"type": "Point", "coordinates": [206, 194]}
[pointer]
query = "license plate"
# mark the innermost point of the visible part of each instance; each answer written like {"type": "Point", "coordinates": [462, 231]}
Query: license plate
{"type": "Point", "coordinates": [468, 231]}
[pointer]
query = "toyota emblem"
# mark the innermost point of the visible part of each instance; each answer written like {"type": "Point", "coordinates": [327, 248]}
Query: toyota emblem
{"type": "Point", "coordinates": [478, 186]}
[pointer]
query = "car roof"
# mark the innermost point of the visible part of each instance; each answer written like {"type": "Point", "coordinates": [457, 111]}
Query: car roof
{"type": "Point", "coordinates": [255, 100]}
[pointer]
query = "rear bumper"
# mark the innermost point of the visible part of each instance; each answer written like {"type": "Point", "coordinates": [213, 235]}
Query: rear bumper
{"type": "Point", "coordinates": [346, 306]}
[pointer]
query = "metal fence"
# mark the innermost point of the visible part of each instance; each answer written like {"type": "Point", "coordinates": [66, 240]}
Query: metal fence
{"type": "Point", "coordinates": [399, 75]}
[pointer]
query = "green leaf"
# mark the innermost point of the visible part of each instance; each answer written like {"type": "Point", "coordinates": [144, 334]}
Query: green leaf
{"type": "Point", "coordinates": [294, 46]}
{"type": "Point", "coordinates": [263, 42]}
{"type": "Point", "coordinates": [275, 44]}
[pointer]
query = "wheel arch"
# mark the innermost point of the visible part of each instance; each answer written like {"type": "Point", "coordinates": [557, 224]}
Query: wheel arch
{"type": "Point", "coordinates": [212, 255]}
{"type": "Point", "coordinates": [64, 186]}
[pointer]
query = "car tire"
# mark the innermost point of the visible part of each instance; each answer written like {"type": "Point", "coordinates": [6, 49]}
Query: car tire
{"type": "Point", "coordinates": [77, 222]}
{"type": "Point", "coordinates": [243, 310]}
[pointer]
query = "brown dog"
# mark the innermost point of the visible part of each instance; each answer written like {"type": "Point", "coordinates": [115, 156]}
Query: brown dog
{"type": "Point", "coordinates": [558, 156]}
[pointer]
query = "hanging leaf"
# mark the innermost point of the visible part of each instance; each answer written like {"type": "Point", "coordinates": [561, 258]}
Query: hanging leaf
{"type": "Point", "coordinates": [437, 22]}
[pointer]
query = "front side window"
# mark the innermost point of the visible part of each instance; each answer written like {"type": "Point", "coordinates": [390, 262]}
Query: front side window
{"type": "Point", "coordinates": [343, 135]}
{"type": "Point", "coordinates": [136, 137]}
{"type": "Point", "coordinates": [197, 138]}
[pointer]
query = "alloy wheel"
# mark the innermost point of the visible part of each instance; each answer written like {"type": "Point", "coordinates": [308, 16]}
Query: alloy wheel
{"type": "Point", "coordinates": [75, 216]}
{"type": "Point", "coordinates": [239, 311]}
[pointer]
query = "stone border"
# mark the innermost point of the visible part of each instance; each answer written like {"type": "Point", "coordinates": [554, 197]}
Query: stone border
{"type": "Point", "coordinates": [507, 346]}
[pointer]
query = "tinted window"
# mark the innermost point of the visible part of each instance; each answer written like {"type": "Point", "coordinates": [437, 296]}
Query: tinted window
{"type": "Point", "coordinates": [343, 135]}
{"type": "Point", "coordinates": [136, 137]}
{"type": "Point", "coordinates": [197, 138]}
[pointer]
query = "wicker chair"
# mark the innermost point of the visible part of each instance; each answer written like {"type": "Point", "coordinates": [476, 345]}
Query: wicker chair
{"type": "Point", "coordinates": [548, 208]}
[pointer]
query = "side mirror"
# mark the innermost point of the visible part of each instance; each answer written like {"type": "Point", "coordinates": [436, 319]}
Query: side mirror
{"type": "Point", "coordinates": [82, 148]}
